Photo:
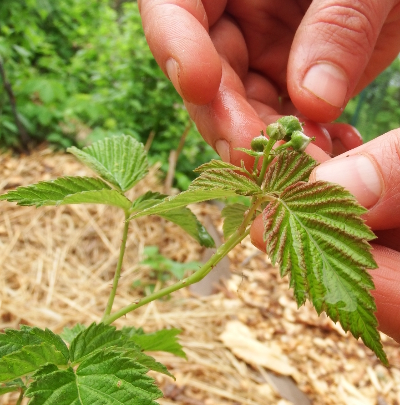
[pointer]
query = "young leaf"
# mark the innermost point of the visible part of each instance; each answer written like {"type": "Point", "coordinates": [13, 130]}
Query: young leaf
{"type": "Point", "coordinates": [226, 180]}
{"type": "Point", "coordinates": [67, 190]}
{"type": "Point", "coordinates": [234, 215]}
{"type": "Point", "coordinates": [189, 223]}
{"type": "Point", "coordinates": [120, 160]}
{"type": "Point", "coordinates": [28, 360]}
{"type": "Point", "coordinates": [181, 200]}
{"type": "Point", "coordinates": [164, 340]}
{"type": "Point", "coordinates": [69, 334]}
{"type": "Point", "coordinates": [218, 164]}
{"type": "Point", "coordinates": [105, 378]}
{"type": "Point", "coordinates": [288, 168]}
{"type": "Point", "coordinates": [14, 340]}
{"type": "Point", "coordinates": [250, 152]}
{"type": "Point", "coordinates": [314, 231]}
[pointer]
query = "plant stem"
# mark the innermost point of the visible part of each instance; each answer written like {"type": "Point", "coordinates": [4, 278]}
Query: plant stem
{"type": "Point", "coordinates": [266, 160]}
{"type": "Point", "coordinates": [117, 275]}
{"type": "Point", "coordinates": [20, 398]}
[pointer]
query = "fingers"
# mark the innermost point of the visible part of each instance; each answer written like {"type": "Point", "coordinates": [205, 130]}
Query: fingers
{"type": "Point", "coordinates": [372, 173]}
{"type": "Point", "coordinates": [177, 34]}
{"type": "Point", "coordinates": [330, 52]}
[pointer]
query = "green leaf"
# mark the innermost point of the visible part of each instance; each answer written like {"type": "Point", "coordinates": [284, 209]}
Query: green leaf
{"type": "Point", "coordinates": [288, 168]}
{"type": "Point", "coordinates": [189, 223]}
{"type": "Point", "coordinates": [69, 334]}
{"type": "Point", "coordinates": [226, 180]}
{"type": "Point", "coordinates": [120, 160]}
{"type": "Point", "coordinates": [105, 378]}
{"type": "Point", "coordinates": [14, 340]}
{"type": "Point", "coordinates": [147, 200]}
{"type": "Point", "coordinates": [67, 190]}
{"type": "Point", "coordinates": [181, 200]}
{"type": "Point", "coordinates": [4, 389]}
{"type": "Point", "coordinates": [250, 152]}
{"type": "Point", "coordinates": [315, 233]}
{"type": "Point", "coordinates": [28, 360]}
{"type": "Point", "coordinates": [234, 216]}
{"type": "Point", "coordinates": [164, 340]}
{"type": "Point", "coordinates": [218, 164]}
{"type": "Point", "coordinates": [148, 361]}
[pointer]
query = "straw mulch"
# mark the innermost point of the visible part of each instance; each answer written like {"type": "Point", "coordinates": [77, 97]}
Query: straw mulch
{"type": "Point", "coordinates": [57, 265]}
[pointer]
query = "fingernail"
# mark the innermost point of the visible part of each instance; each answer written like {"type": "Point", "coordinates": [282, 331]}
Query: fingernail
{"type": "Point", "coordinates": [173, 74]}
{"type": "Point", "coordinates": [327, 82]}
{"type": "Point", "coordinates": [223, 150]}
{"type": "Point", "coordinates": [356, 173]}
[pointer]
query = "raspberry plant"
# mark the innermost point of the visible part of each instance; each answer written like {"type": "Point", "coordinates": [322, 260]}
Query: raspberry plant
{"type": "Point", "coordinates": [313, 231]}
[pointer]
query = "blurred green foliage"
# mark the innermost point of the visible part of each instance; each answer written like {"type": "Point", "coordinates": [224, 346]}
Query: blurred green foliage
{"type": "Point", "coordinates": [376, 110]}
{"type": "Point", "coordinates": [81, 71]}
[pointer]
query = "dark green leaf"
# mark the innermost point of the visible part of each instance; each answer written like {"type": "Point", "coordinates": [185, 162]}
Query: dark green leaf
{"type": "Point", "coordinates": [164, 340]}
{"type": "Point", "coordinates": [315, 233]}
{"type": "Point", "coordinates": [120, 160]}
{"type": "Point", "coordinates": [147, 361]}
{"type": "Point", "coordinates": [105, 378]}
{"type": "Point", "coordinates": [147, 200]}
{"type": "Point", "coordinates": [226, 180]}
{"type": "Point", "coordinates": [234, 216]}
{"type": "Point", "coordinates": [67, 190]}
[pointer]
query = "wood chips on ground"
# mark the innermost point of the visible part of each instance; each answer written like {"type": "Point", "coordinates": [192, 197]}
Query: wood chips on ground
{"type": "Point", "coordinates": [56, 267]}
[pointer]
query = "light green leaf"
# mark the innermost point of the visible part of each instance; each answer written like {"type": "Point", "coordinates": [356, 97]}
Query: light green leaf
{"type": "Point", "coordinates": [189, 223]}
{"type": "Point", "coordinates": [147, 200]}
{"type": "Point", "coordinates": [226, 180]}
{"type": "Point", "coordinates": [315, 233]}
{"type": "Point", "coordinates": [250, 152]}
{"type": "Point", "coordinates": [14, 340]}
{"type": "Point", "coordinates": [181, 200]}
{"type": "Point", "coordinates": [67, 190]}
{"type": "Point", "coordinates": [164, 340]}
{"type": "Point", "coordinates": [69, 334]}
{"type": "Point", "coordinates": [28, 360]}
{"type": "Point", "coordinates": [288, 168]}
{"type": "Point", "coordinates": [4, 389]}
{"type": "Point", "coordinates": [218, 164]}
{"type": "Point", "coordinates": [147, 361]}
{"type": "Point", "coordinates": [234, 216]}
{"type": "Point", "coordinates": [105, 378]}
{"type": "Point", "coordinates": [120, 160]}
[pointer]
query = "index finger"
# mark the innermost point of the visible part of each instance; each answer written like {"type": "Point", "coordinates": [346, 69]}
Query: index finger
{"type": "Point", "coordinates": [177, 34]}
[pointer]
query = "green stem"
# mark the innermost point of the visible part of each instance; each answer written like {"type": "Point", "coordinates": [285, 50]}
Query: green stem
{"type": "Point", "coordinates": [221, 252]}
{"type": "Point", "coordinates": [20, 398]}
{"type": "Point", "coordinates": [266, 160]}
{"type": "Point", "coordinates": [117, 275]}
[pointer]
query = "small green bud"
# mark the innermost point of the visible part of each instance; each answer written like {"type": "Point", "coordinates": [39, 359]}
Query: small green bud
{"type": "Point", "coordinates": [300, 141]}
{"type": "Point", "coordinates": [276, 131]}
{"type": "Point", "coordinates": [258, 143]}
{"type": "Point", "coordinates": [290, 123]}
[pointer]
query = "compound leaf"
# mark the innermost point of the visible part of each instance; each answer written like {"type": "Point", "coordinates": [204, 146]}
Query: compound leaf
{"type": "Point", "coordinates": [105, 378]}
{"type": "Point", "coordinates": [218, 164]}
{"type": "Point", "coordinates": [315, 233]}
{"type": "Point", "coordinates": [226, 180]}
{"type": "Point", "coordinates": [234, 215]}
{"type": "Point", "coordinates": [288, 168]}
{"type": "Point", "coordinates": [148, 361]}
{"type": "Point", "coordinates": [69, 334]}
{"type": "Point", "coordinates": [28, 360]}
{"type": "Point", "coordinates": [67, 190]}
{"type": "Point", "coordinates": [120, 160]}
{"type": "Point", "coordinates": [164, 340]}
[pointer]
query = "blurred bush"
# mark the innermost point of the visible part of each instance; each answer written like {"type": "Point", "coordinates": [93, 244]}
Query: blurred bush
{"type": "Point", "coordinates": [82, 71]}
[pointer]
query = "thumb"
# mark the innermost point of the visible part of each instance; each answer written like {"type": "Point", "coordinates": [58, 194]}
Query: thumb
{"type": "Point", "coordinates": [330, 52]}
{"type": "Point", "coordinates": [371, 173]}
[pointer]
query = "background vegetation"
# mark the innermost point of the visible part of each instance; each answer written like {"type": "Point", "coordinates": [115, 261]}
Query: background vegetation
{"type": "Point", "coordinates": [81, 71]}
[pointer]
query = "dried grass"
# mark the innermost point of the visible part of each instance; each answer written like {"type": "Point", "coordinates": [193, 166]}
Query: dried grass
{"type": "Point", "coordinates": [56, 269]}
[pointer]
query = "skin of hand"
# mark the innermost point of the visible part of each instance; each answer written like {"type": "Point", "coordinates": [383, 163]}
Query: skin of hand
{"type": "Point", "coordinates": [241, 64]}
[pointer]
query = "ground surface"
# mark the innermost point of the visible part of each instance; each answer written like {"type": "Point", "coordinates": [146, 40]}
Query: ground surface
{"type": "Point", "coordinates": [246, 345]}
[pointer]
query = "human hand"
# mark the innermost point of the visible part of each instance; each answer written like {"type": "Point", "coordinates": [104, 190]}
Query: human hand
{"type": "Point", "coordinates": [239, 64]}
{"type": "Point", "coordinates": [372, 173]}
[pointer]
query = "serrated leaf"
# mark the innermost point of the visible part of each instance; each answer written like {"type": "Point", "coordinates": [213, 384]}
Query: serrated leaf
{"type": "Point", "coordinates": [234, 216]}
{"type": "Point", "coordinates": [315, 233]}
{"type": "Point", "coordinates": [164, 340]}
{"type": "Point", "coordinates": [105, 378]}
{"type": "Point", "coordinates": [147, 200]}
{"type": "Point", "coordinates": [288, 168]}
{"type": "Point", "coordinates": [250, 152]}
{"type": "Point", "coordinates": [93, 338]}
{"type": "Point", "coordinates": [28, 360]}
{"type": "Point", "coordinates": [69, 334]}
{"type": "Point", "coordinates": [67, 190]}
{"type": "Point", "coordinates": [189, 223]}
{"type": "Point", "coordinates": [148, 361]}
{"type": "Point", "coordinates": [120, 160]}
{"type": "Point", "coordinates": [14, 340]}
{"type": "Point", "coordinates": [183, 199]}
{"type": "Point", "coordinates": [218, 164]}
{"type": "Point", "coordinates": [226, 180]}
